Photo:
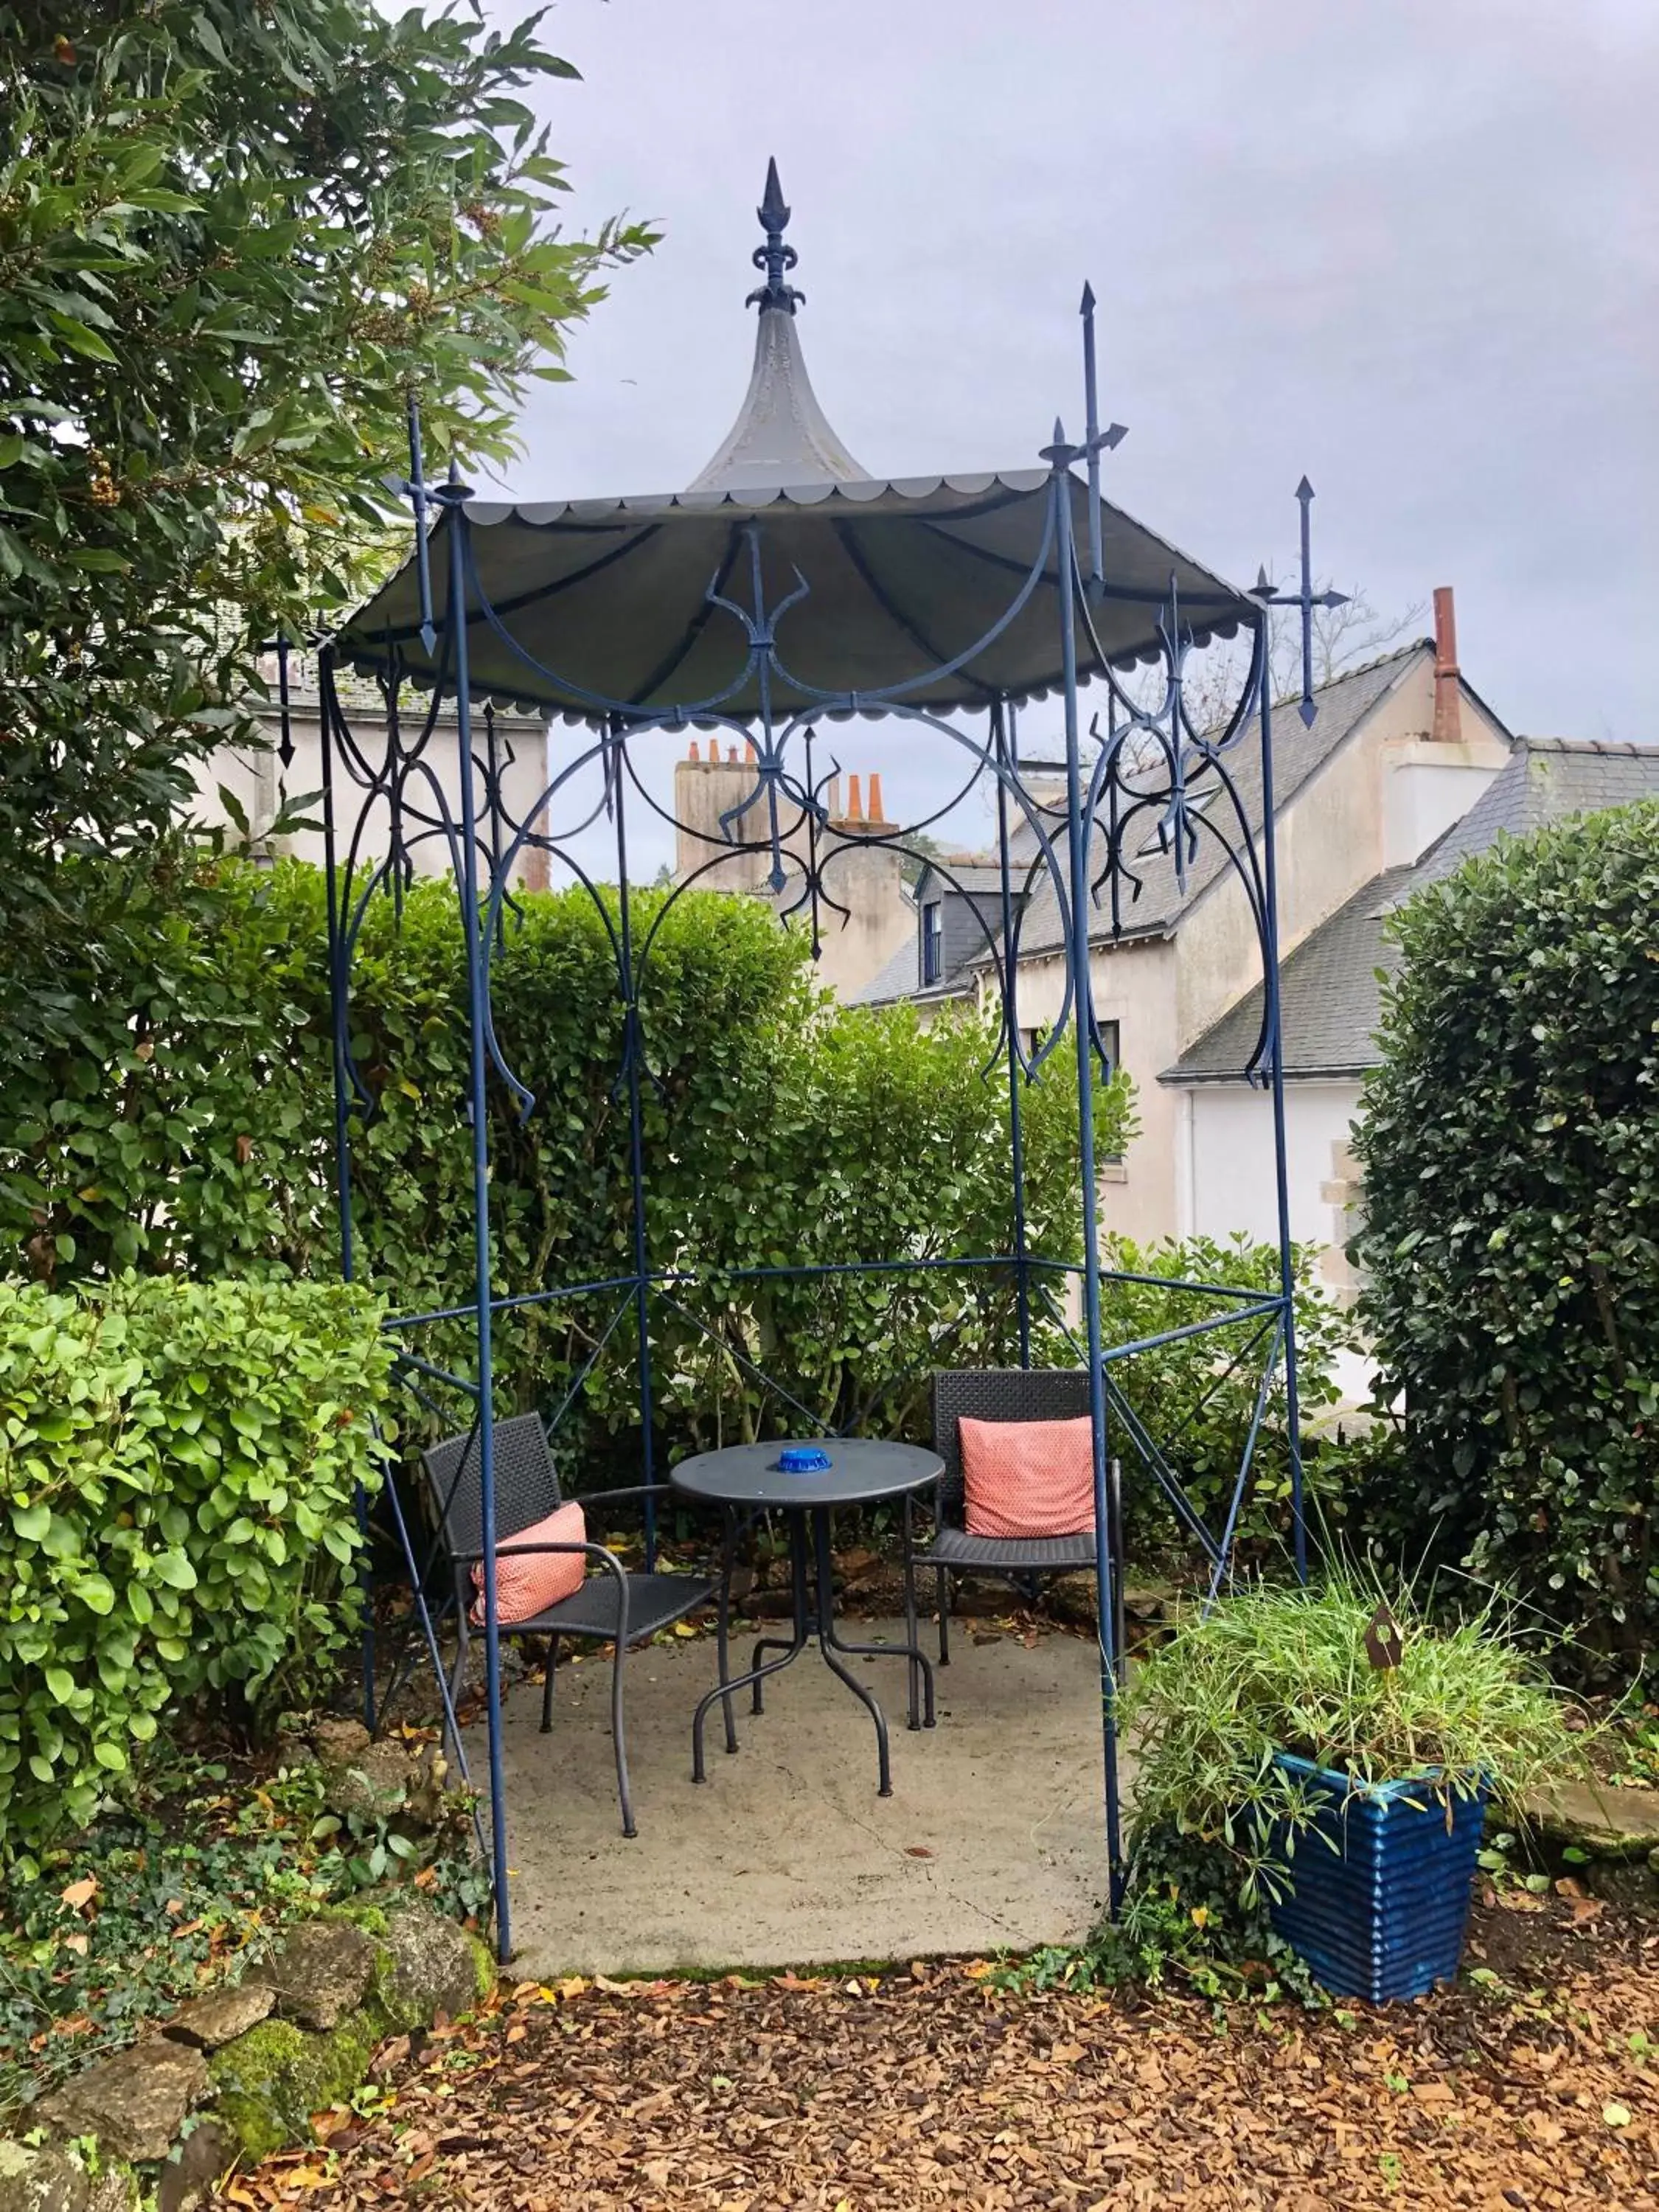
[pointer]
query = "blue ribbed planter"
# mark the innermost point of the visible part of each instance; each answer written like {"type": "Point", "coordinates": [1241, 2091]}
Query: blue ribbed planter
{"type": "Point", "coordinates": [1383, 1916]}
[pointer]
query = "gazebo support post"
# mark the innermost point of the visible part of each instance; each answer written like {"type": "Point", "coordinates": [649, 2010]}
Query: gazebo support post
{"type": "Point", "coordinates": [1005, 752]}
{"type": "Point", "coordinates": [339, 984]}
{"type": "Point", "coordinates": [453, 496]}
{"type": "Point", "coordinates": [631, 1057]}
{"type": "Point", "coordinates": [1106, 1563]}
{"type": "Point", "coordinates": [1276, 1081]}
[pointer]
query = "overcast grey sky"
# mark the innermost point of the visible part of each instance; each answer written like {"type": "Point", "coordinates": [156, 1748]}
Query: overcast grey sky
{"type": "Point", "coordinates": [1410, 247]}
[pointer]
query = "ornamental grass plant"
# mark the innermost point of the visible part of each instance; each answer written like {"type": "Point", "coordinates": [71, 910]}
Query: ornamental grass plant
{"type": "Point", "coordinates": [1273, 1670]}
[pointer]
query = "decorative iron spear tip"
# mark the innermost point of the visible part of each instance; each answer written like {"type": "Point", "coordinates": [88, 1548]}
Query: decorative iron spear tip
{"type": "Point", "coordinates": [773, 213]}
{"type": "Point", "coordinates": [1263, 588]}
{"type": "Point", "coordinates": [775, 257]}
{"type": "Point", "coordinates": [416, 490]}
{"type": "Point", "coordinates": [1304, 492]}
{"type": "Point", "coordinates": [1091, 435]}
{"type": "Point", "coordinates": [1057, 452]}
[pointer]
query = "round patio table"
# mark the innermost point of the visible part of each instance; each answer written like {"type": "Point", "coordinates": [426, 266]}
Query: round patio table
{"type": "Point", "coordinates": [747, 1478]}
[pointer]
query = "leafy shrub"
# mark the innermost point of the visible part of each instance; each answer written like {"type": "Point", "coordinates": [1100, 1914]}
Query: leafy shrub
{"type": "Point", "coordinates": [1511, 1148]}
{"type": "Point", "coordinates": [1182, 1919]}
{"type": "Point", "coordinates": [185, 1121]}
{"type": "Point", "coordinates": [179, 1464]}
{"type": "Point", "coordinates": [183, 1888]}
{"type": "Point", "coordinates": [1285, 1669]}
{"type": "Point", "coordinates": [1197, 1398]}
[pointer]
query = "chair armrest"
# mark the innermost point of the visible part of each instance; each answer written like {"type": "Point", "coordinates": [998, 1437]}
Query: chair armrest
{"type": "Point", "coordinates": [636, 1490]}
{"type": "Point", "coordinates": [511, 1551]}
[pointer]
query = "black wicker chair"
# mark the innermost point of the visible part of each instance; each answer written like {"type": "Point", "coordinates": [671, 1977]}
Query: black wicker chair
{"type": "Point", "coordinates": [611, 1607]}
{"type": "Point", "coordinates": [997, 1394]}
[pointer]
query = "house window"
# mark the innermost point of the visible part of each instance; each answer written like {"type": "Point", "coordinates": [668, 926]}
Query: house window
{"type": "Point", "coordinates": [933, 942]}
{"type": "Point", "coordinates": [1111, 1163]}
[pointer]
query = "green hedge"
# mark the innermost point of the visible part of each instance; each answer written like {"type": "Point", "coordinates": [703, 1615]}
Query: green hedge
{"type": "Point", "coordinates": [183, 1121]}
{"type": "Point", "coordinates": [1197, 1397]}
{"type": "Point", "coordinates": [1511, 1148]}
{"type": "Point", "coordinates": [179, 1464]}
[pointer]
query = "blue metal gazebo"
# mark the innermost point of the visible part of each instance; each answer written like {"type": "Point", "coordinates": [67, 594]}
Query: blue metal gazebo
{"type": "Point", "coordinates": [784, 588]}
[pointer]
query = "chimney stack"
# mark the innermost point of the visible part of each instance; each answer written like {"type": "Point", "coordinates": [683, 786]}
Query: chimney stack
{"type": "Point", "coordinates": [1448, 719]}
{"type": "Point", "coordinates": [876, 814]}
{"type": "Point", "coordinates": [855, 800]}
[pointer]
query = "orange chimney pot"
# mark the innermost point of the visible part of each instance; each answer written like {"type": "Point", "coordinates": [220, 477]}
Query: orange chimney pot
{"type": "Point", "coordinates": [696, 755]}
{"type": "Point", "coordinates": [876, 814]}
{"type": "Point", "coordinates": [855, 800]}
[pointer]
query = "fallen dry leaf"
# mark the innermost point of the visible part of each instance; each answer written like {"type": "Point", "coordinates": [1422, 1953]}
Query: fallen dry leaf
{"type": "Point", "coordinates": [936, 2089]}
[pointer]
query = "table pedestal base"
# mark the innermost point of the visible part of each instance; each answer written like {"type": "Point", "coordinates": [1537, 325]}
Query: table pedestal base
{"type": "Point", "coordinates": [813, 1579]}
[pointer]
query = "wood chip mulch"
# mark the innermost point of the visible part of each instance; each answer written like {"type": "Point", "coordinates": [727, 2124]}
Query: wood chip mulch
{"type": "Point", "coordinates": [1535, 2088]}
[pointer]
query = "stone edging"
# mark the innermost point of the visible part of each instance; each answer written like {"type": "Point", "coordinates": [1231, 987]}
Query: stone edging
{"type": "Point", "coordinates": [238, 2072]}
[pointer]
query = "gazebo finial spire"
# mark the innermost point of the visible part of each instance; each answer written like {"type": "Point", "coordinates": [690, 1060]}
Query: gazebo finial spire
{"type": "Point", "coordinates": [780, 436]}
{"type": "Point", "coordinates": [777, 258]}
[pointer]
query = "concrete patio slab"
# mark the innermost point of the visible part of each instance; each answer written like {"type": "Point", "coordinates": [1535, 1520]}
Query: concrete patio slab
{"type": "Point", "coordinates": [991, 1839]}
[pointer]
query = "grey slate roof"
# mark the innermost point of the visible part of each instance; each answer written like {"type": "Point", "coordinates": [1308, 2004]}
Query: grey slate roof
{"type": "Point", "coordinates": [1546, 779]}
{"type": "Point", "coordinates": [1329, 998]}
{"type": "Point", "coordinates": [977, 877]}
{"type": "Point", "coordinates": [969, 893]}
{"type": "Point", "coordinates": [900, 979]}
{"type": "Point", "coordinates": [1298, 751]}
{"type": "Point", "coordinates": [1329, 991]}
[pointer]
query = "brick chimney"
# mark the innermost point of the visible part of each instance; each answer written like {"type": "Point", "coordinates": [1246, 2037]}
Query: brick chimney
{"type": "Point", "coordinates": [1447, 721]}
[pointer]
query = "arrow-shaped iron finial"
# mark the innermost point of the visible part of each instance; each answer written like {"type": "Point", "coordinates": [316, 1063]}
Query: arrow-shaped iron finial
{"type": "Point", "coordinates": [775, 257]}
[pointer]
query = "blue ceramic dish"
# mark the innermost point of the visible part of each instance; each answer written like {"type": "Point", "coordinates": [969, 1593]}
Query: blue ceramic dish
{"type": "Point", "coordinates": [804, 1459]}
{"type": "Point", "coordinates": [1382, 1915]}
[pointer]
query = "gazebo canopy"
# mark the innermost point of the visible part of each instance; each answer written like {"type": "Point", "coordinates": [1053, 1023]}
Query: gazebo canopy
{"type": "Point", "coordinates": [903, 575]}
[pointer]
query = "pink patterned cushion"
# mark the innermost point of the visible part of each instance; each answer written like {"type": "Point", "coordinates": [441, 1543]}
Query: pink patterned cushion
{"type": "Point", "coordinates": [529, 1584]}
{"type": "Point", "coordinates": [1029, 1478]}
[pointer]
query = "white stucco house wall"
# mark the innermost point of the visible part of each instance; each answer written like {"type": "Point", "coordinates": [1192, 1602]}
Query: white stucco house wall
{"type": "Point", "coordinates": [1330, 998]}
{"type": "Point", "coordinates": [288, 765]}
{"type": "Point", "coordinates": [1399, 751]}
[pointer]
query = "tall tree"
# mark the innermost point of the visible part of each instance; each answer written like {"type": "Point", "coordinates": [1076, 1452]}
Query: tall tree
{"type": "Point", "coordinates": [236, 236]}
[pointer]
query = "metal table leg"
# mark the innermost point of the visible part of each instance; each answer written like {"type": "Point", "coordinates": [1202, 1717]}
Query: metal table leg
{"type": "Point", "coordinates": [726, 1690]}
{"type": "Point", "coordinates": [919, 1666]}
{"type": "Point", "coordinates": [798, 1572]}
{"type": "Point", "coordinates": [827, 1645]}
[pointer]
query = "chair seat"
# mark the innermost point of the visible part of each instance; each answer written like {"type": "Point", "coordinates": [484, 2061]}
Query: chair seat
{"type": "Point", "coordinates": [655, 1601]}
{"type": "Point", "coordinates": [955, 1548]}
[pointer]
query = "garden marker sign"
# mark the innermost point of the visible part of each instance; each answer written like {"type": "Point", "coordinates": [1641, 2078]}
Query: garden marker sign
{"type": "Point", "coordinates": [1384, 1642]}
